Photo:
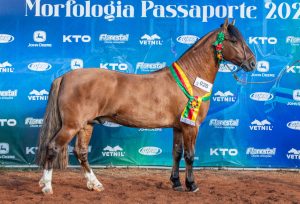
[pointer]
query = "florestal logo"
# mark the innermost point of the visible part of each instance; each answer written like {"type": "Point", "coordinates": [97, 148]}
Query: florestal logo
{"type": "Point", "coordinates": [110, 124]}
{"type": "Point", "coordinates": [4, 150]}
{"type": "Point", "coordinates": [7, 122]}
{"type": "Point", "coordinates": [76, 38]}
{"type": "Point", "coordinates": [35, 95]}
{"type": "Point", "coordinates": [6, 67]}
{"type": "Point", "coordinates": [227, 97]}
{"type": "Point", "coordinates": [116, 151]}
{"type": "Point", "coordinates": [187, 39]}
{"type": "Point", "coordinates": [120, 38]}
{"type": "Point", "coordinates": [150, 67]}
{"type": "Point", "coordinates": [294, 125]}
{"type": "Point", "coordinates": [263, 40]}
{"type": "Point", "coordinates": [223, 152]}
{"type": "Point", "coordinates": [122, 67]}
{"type": "Point", "coordinates": [261, 96]}
{"type": "Point", "coordinates": [231, 123]}
{"type": "Point", "coordinates": [39, 37]}
{"type": "Point", "coordinates": [151, 40]}
{"type": "Point", "coordinates": [293, 154]}
{"type": "Point", "coordinates": [230, 68]}
{"type": "Point", "coordinates": [266, 153]}
{"type": "Point", "coordinates": [150, 151]}
{"type": "Point", "coordinates": [293, 69]}
{"type": "Point", "coordinates": [76, 64]}
{"type": "Point", "coordinates": [293, 40]}
{"type": "Point", "coordinates": [73, 9]}
{"type": "Point", "coordinates": [262, 67]}
{"type": "Point", "coordinates": [8, 94]}
{"type": "Point", "coordinates": [39, 66]}
{"type": "Point", "coordinates": [34, 122]}
{"type": "Point", "coordinates": [6, 38]}
{"type": "Point", "coordinates": [263, 125]}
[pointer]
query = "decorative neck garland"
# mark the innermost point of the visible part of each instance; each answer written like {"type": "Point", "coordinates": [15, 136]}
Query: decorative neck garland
{"type": "Point", "coordinates": [190, 112]}
{"type": "Point", "coordinates": [219, 46]}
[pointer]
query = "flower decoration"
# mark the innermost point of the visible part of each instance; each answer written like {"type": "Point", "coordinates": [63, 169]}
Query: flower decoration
{"type": "Point", "coordinates": [219, 46]}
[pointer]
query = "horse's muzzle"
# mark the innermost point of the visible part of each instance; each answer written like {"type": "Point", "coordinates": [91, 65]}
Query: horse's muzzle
{"type": "Point", "coordinates": [250, 65]}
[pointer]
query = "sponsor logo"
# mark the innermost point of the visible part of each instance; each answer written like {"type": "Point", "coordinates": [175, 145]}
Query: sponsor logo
{"type": "Point", "coordinates": [223, 152]}
{"type": "Point", "coordinates": [73, 9]}
{"type": "Point", "coordinates": [39, 37]}
{"type": "Point", "coordinates": [293, 154]}
{"type": "Point", "coordinates": [261, 96]}
{"type": "Point", "coordinates": [262, 40]}
{"type": "Point", "coordinates": [6, 67]}
{"type": "Point", "coordinates": [296, 95]}
{"type": "Point", "coordinates": [227, 96]}
{"type": "Point", "coordinates": [35, 95]}
{"type": "Point", "coordinates": [71, 149]}
{"type": "Point", "coordinates": [150, 151]}
{"type": "Point", "coordinates": [114, 66]}
{"type": "Point", "coordinates": [150, 130]}
{"type": "Point", "coordinates": [34, 122]}
{"type": "Point", "coordinates": [8, 94]}
{"type": "Point", "coordinates": [6, 38]}
{"type": "Point", "coordinates": [76, 64]}
{"type": "Point", "coordinates": [224, 68]}
{"type": "Point", "coordinates": [293, 69]}
{"type": "Point", "coordinates": [150, 67]}
{"type": "Point", "coordinates": [187, 39]}
{"type": "Point", "coordinates": [266, 153]}
{"type": "Point", "coordinates": [263, 125]}
{"type": "Point", "coordinates": [151, 40]}
{"type": "Point", "coordinates": [4, 150]}
{"type": "Point", "coordinates": [76, 38]}
{"type": "Point", "coordinates": [31, 150]}
{"type": "Point", "coordinates": [293, 40]}
{"type": "Point", "coordinates": [294, 125]}
{"type": "Point", "coordinates": [8, 122]}
{"type": "Point", "coordinates": [120, 38]}
{"type": "Point", "coordinates": [116, 151]}
{"type": "Point", "coordinates": [39, 66]}
{"type": "Point", "coordinates": [111, 124]}
{"type": "Point", "coordinates": [230, 124]}
{"type": "Point", "coordinates": [262, 67]}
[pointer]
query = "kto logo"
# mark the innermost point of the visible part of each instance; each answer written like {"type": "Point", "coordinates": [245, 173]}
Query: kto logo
{"type": "Point", "coordinates": [76, 64]}
{"type": "Point", "coordinates": [263, 40]}
{"type": "Point", "coordinates": [8, 122]}
{"type": "Point", "coordinates": [4, 148]}
{"type": "Point", "coordinates": [150, 151]}
{"type": "Point", "coordinates": [227, 96]}
{"type": "Point", "coordinates": [293, 69]}
{"type": "Point", "coordinates": [187, 39]}
{"type": "Point", "coordinates": [39, 66]}
{"type": "Point", "coordinates": [261, 96]}
{"type": "Point", "coordinates": [76, 38]}
{"type": "Point", "coordinates": [227, 68]}
{"type": "Point", "coordinates": [223, 152]}
{"type": "Point", "coordinates": [263, 125]}
{"type": "Point", "coordinates": [116, 151]}
{"type": "Point", "coordinates": [6, 38]}
{"type": "Point", "coordinates": [296, 95]}
{"type": "Point", "coordinates": [294, 125]}
{"type": "Point", "coordinates": [39, 36]}
{"type": "Point", "coordinates": [263, 66]}
{"type": "Point", "coordinates": [6, 67]}
{"type": "Point", "coordinates": [35, 95]}
{"type": "Point", "coordinates": [114, 66]}
{"type": "Point", "coordinates": [151, 40]}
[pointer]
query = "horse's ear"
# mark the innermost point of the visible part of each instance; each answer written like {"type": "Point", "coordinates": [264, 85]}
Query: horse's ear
{"type": "Point", "coordinates": [233, 22]}
{"type": "Point", "coordinates": [225, 25]}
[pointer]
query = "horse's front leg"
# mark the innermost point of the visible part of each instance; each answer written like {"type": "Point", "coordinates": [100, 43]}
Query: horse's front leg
{"type": "Point", "coordinates": [189, 138]}
{"type": "Point", "coordinates": [177, 154]}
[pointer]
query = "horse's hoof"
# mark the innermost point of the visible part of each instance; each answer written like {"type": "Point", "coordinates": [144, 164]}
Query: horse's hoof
{"type": "Point", "coordinates": [178, 188]}
{"type": "Point", "coordinates": [192, 187]}
{"type": "Point", "coordinates": [47, 191]}
{"type": "Point", "coordinates": [96, 187]}
{"type": "Point", "coordinates": [41, 183]}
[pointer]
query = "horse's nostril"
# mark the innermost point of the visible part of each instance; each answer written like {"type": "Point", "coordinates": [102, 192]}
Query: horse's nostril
{"type": "Point", "coordinates": [252, 64]}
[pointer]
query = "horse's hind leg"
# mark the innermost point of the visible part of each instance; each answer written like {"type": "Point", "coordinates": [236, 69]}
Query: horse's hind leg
{"type": "Point", "coordinates": [62, 138]}
{"type": "Point", "coordinates": [177, 154]}
{"type": "Point", "coordinates": [81, 152]}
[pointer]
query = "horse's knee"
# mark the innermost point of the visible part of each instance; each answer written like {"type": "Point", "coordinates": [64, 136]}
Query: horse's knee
{"type": "Point", "coordinates": [189, 157]}
{"type": "Point", "coordinates": [53, 151]}
{"type": "Point", "coordinates": [178, 150]}
{"type": "Point", "coordinates": [81, 154]}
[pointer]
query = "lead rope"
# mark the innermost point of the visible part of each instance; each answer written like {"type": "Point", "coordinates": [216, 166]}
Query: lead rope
{"type": "Point", "coordinates": [282, 72]}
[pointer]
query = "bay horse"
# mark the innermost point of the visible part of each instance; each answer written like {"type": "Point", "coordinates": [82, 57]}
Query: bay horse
{"type": "Point", "coordinates": [83, 97]}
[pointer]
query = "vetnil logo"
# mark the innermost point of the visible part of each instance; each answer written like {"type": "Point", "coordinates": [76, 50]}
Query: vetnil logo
{"type": "Point", "coordinates": [6, 67]}
{"type": "Point", "coordinates": [116, 151]}
{"type": "Point", "coordinates": [226, 97]}
{"type": "Point", "coordinates": [35, 95]}
{"type": "Point", "coordinates": [263, 125]}
{"type": "Point", "coordinates": [151, 40]}
{"type": "Point", "coordinates": [293, 154]}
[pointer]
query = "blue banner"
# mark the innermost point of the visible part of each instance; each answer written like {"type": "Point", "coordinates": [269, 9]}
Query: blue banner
{"type": "Point", "coordinates": [248, 125]}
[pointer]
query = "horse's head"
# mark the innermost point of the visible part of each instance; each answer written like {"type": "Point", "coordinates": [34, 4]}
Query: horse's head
{"type": "Point", "coordinates": [235, 49]}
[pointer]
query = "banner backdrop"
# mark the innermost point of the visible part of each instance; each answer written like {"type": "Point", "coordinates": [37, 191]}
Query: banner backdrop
{"type": "Point", "coordinates": [248, 125]}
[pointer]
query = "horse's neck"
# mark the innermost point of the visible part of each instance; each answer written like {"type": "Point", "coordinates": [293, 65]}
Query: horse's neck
{"type": "Point", "coordinates": [200, 61]}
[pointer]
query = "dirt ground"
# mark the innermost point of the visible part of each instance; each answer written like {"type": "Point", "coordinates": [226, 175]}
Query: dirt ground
{"type": "Point", "coordinates": [152, 186]}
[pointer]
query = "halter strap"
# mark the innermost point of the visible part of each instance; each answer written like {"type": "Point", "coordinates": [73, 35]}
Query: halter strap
{"type": "Point", "coordinates": [190, 112]}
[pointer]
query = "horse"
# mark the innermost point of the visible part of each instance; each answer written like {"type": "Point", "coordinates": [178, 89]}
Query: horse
{"type": "Point", "coordinates": [82, 98]}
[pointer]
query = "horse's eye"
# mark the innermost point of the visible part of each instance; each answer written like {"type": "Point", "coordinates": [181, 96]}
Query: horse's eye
{"type": "Point", "coordinates": [233, 41]}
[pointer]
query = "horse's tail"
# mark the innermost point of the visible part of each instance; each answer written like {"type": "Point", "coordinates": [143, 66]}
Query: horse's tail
{"type": "Point", "coordinates": [51, 125]}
